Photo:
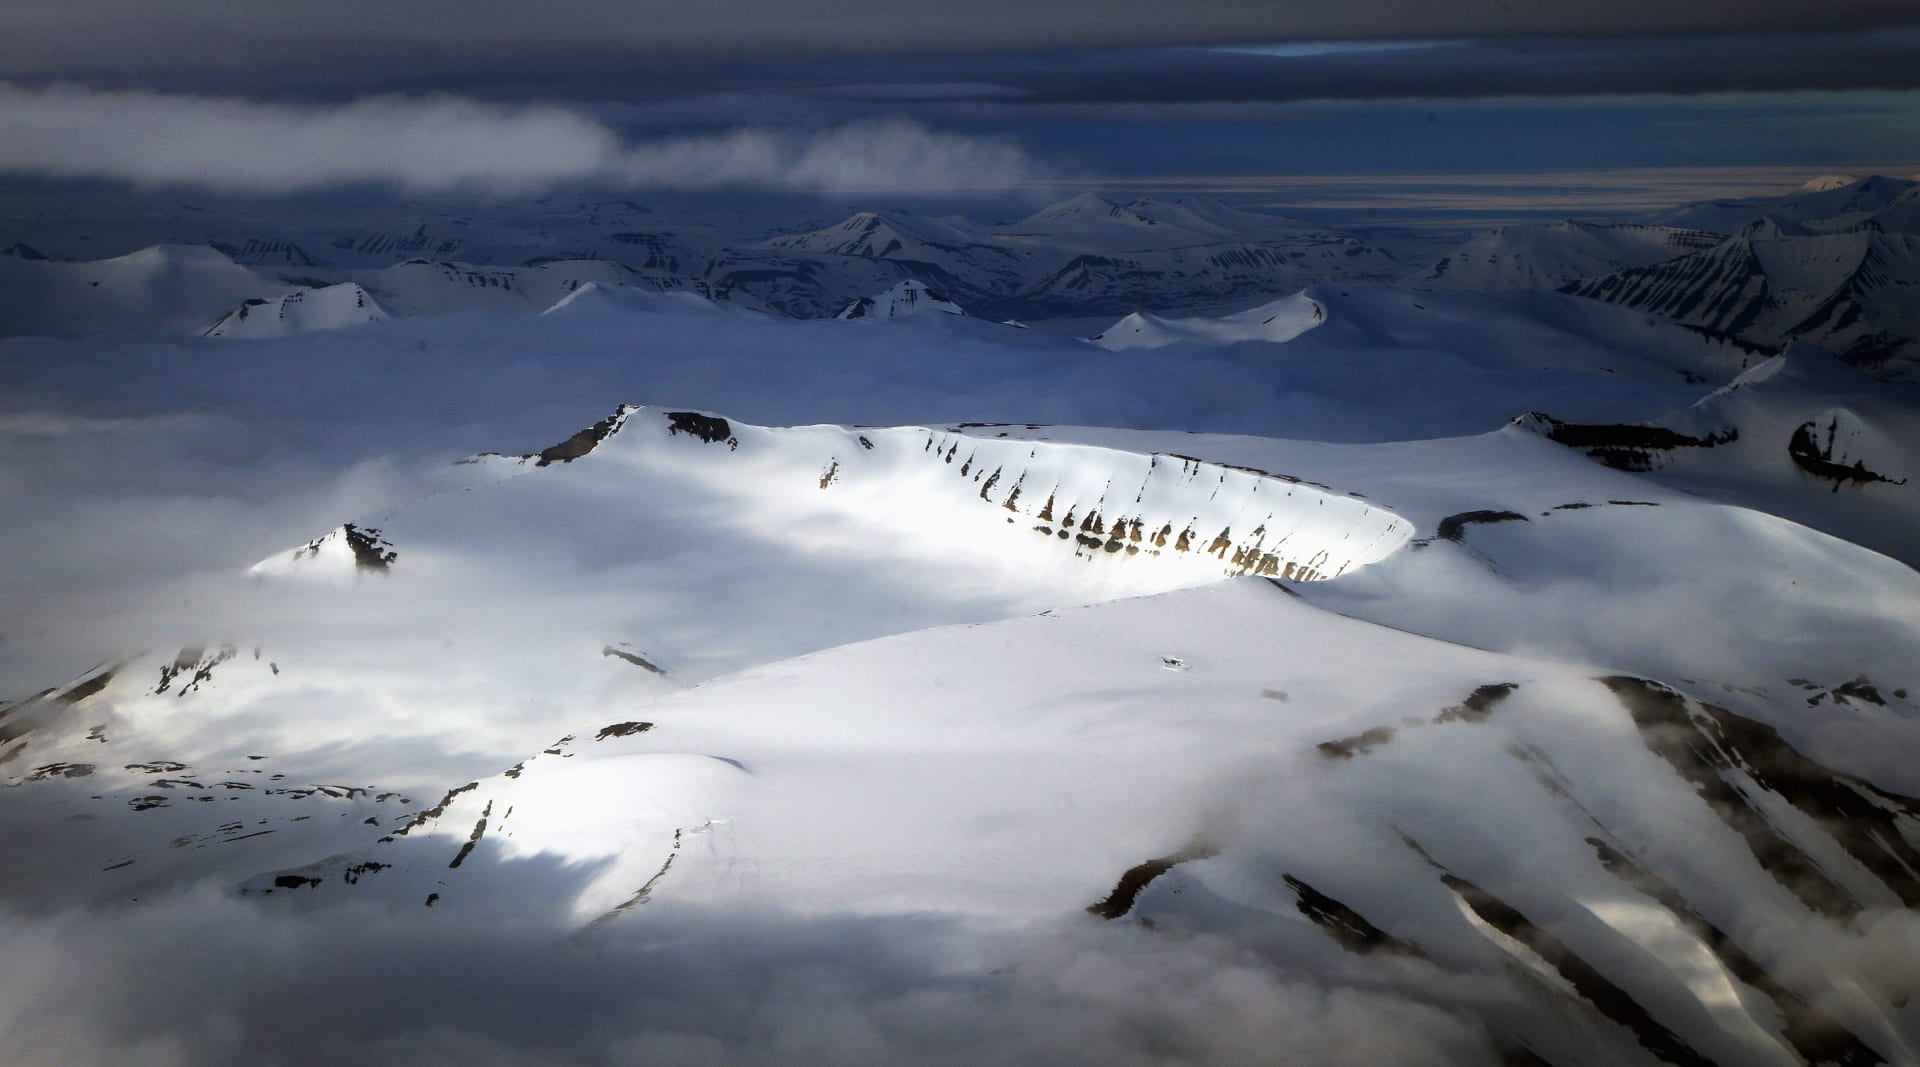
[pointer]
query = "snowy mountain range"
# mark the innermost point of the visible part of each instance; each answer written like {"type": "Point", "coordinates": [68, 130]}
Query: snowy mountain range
{"type": "Point", "coordinates": [1835, 265]}
{"type": "Point", "coordinates": [705, 650]}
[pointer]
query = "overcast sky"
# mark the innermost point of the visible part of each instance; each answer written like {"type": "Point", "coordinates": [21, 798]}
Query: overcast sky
{"type": "Point", "coordinates": [996, 94]}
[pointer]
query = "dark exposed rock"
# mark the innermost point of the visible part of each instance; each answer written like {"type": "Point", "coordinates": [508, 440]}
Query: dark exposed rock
{"type": "Point", "coordinates": [1131, 884]}
{"type": "Point", "coordinates": [633, 658]}
{"type": "Point", "coordinates": [370, 552]}
{"type": "Point", "coordinates": [1454, 527]}
{"type": "Point", "coordinates": [436, 811]}
{"type": "Point", "coordinates": [1359, 744]}
{"type": "Point", "coordinates": [1343, 924]}
{"type": "Point", "coordinates": [1478, 703]}
{"type": "Point", "coordinates": [581, 443]}
{"type": "Point", "coordinates": [709, 428]}
{"type": "Point", "coordinates": [60, 770]}
{"type": "Point", "coordinates": [1816, 459]}
{"type": "Point", "coordinates": [1625, 447]}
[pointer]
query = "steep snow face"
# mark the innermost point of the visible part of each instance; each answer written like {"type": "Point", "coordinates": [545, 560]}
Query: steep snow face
{"type": "Point", "coordinates": [908, 298]}
{"type": "Point", "coordinates": [328, 308]}
{"type": "Point", "coordinates": [1550, 256]}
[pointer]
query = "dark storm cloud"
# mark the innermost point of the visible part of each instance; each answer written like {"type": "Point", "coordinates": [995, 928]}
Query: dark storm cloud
{"type": "Point", "coordinates": [361, 45]}
{"type": "Point", "coordinates": [1464, 69]}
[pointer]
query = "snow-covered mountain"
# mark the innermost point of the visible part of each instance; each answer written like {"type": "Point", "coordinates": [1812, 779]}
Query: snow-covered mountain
{"type": "Point", "coordinates": [1822, 204]}
{"type": "Point", "coordinates": [1082, 256]}
{"type": "Point", "coordinates": [1855, 292]}
{"type": "Point", "coordinates": [908, 298]}
{"type": "Point", "coordinates": [1836, 264]}
{"type": "Point", "coordinates": [613, 623]}
{"type": "Point", "coordinates": [327, 308]}
{"type": "Point", "coordinates": [1279, 321]}
{"type": "Point", "coordinates": [1550, 256]}
{"type": "Point", "coordinates": [1373, 675]}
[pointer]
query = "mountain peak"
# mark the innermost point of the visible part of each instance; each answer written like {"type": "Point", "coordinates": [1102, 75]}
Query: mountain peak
{"type": "Point", "coordinates": [1828, 182]}
{"type": "Point", "coordinates": [910, 297]}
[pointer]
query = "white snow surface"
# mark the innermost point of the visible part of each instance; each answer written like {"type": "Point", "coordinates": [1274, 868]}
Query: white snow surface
{"type": "Point", "coordinates": [780, 715]}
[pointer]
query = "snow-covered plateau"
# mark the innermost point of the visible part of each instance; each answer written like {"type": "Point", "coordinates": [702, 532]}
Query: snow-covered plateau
{"type": "Point", "coordinates": [1491, 668]}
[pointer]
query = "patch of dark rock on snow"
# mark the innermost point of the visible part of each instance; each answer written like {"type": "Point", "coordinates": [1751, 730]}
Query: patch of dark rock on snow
{"type": "Point", "coordinates": [353, 874]}
{"type": "Point", "coordinates": [1135, 881]}
{"type": "Point", "coordinates": [85, 689]}
{"type": "Point", "coordinates": [295, 881]}
{"type": "Point", "coordinates": [473, 839]}
{"type": "Point", "coordinates": [60, 770]}
{"type": "Point", "coordinates": [581, 443]}
{"type": "Point", "coordinates": [437, 810]}
{"type": "Point", "coordinates": [1847, 692]}
{"type": "Point", "coordinates": [1359, 744]}
{"type": "Point", "coordinates": [370, 551]}
{"type": "Point", "coordinates": [1478, 703]}
{"type": "Point", "coordinates": [636, 660]}
{"type": "Point", "coordinates": [1622, 446]}
{"type": "Point", "coordinates": [646, 890]}
{"type": "Point", "coordinates": [709, 428]}
{"type": "Point", "coordinates": [1454, 527]}
{"type": "Point", "coordinates": [1809, 455]}
{"type": "Point", "coordinates": [1343, 924]}
{"type": "Point", "coordinates": [622, 729]}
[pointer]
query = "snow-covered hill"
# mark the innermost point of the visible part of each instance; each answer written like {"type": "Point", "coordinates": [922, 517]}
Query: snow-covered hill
{"type": "Point", "coordinates": [327, 308]}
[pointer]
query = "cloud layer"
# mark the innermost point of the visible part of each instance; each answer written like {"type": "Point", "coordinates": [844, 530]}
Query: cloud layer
{"type": "Point", "coordinates": [443, 142]}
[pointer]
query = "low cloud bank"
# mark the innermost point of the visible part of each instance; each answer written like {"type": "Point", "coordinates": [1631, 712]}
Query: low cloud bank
{"type": "Point", "coordinates": [433, 143]}
{"type": "Point", "coordinates": [207, 979]}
